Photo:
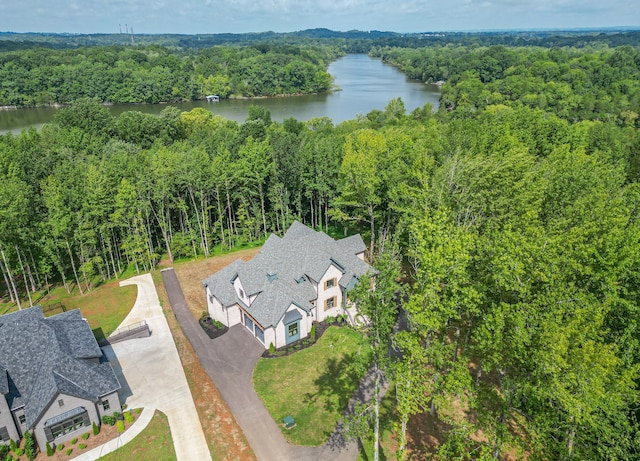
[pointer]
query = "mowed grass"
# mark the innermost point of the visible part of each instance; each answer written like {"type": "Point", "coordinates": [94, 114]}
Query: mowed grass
{"type": "Point", "coordinates": [313, 385]}
{"type": "Point", "coordinates": [105, 307]}
{"type": "Point", "coordinates": [154, 443]}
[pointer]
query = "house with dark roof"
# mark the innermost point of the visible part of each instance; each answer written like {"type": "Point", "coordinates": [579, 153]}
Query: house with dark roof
{"type": "Point", "coordinates": [296, 279]}
{"type": "Point", "coordinates": [53, 376]}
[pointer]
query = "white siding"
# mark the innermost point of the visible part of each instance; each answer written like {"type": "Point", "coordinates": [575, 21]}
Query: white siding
{"type": "Point", "coordinates": [324, 293]}
{"type": "Point", "coordinates": [237, 284]}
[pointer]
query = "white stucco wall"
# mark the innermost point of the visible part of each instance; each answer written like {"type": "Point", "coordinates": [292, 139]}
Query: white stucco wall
{"type": "Point", "coordinates": [214, 307]}
{"type": "Point", "coordinates": [323, 294]}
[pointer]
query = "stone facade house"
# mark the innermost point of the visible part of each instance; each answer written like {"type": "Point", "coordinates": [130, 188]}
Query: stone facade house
{"type": "Point", "coordinates": [54, 379]}
{"type": "Point", "coordinates": [294, 280]}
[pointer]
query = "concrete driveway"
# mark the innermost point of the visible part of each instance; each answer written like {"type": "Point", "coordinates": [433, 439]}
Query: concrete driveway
{"type": "Point", "coordinates": [229, 361]}
{"type": "Point", "coordinates": [152, 376]}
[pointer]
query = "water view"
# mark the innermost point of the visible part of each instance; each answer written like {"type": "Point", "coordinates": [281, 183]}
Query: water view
{"type": "Point", "coordinates": [365, 84]}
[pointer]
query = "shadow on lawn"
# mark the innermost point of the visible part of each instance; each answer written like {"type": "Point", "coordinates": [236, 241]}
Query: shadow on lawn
{"type": "Point", "coordinates": [339, 380]}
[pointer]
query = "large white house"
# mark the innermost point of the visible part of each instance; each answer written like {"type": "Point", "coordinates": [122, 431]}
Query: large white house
{"type": "Point", "coordinates": [294, 280]}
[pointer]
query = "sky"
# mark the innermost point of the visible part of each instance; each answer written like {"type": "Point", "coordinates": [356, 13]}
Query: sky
{"type": "Point", "coordinates": [238, 16]}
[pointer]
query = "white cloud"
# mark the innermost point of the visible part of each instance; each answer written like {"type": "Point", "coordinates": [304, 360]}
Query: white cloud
{"type": "Point", "coordinates": [212, 16]}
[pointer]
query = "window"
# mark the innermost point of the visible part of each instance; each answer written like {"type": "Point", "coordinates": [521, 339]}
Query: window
{"type": "Point", "coordinates": [4, 434]}
{"type": "Point", "coordinates": [260, 334]}
{"type": "Point", "coordinates": [67, 426]}
{"type": "Point", "coordinates": [106, 405]}
{"type": "Point", "coordinates": [61, 403]}
{"type": "Point", "coordinates": [22, 419]}
{"type": "Point", "coordinates": [330, 303]}
{"type": "Point", "coordinates": [293, 329]}
{"type": "Point", "coordinates": [330, 283]}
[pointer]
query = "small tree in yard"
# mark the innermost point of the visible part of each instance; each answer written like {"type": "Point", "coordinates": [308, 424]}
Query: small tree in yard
{"type": "Point", "coordinates": [95, 428]}
{"type": "Point", "coordinates": [376, 298]}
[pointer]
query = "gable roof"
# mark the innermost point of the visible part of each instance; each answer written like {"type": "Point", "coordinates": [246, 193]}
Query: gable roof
{"type": "Point", "coordinates": [285, 271]}
{"type": "Point", "coordinates": [43, 357]}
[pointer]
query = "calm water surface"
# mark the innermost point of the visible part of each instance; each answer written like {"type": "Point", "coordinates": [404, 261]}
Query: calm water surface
{"type": "Point", "coordinates": [365, 84]}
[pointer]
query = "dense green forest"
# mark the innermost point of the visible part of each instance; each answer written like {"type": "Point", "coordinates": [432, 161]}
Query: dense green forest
{"type": "Point", "coordinates": [576, 84]}
{"type": "Point", "coordinates": [152, 74]}
{"type": "Point", "coordinates": [517, 223]}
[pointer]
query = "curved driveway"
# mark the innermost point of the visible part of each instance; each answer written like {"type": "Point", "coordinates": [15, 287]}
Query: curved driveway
{"type": "Point", "coordinates": [229, 361]}
{"type": "Point", "coordinates": [152, 376]}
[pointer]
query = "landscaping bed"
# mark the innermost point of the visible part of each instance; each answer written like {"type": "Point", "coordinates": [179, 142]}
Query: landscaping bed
{"type": "Point", "coordinates": [317, 331]}
{"type": "Point", "coordinates": [212, 328]}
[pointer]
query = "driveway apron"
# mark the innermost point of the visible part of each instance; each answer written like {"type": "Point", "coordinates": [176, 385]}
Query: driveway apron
{"type": "Point", "coordinates": [229, 360]}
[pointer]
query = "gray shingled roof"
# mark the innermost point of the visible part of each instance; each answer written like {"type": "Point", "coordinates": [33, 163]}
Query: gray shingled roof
{"type": "Point", "coordinates": [279, 275]}
{"type": "Point", "coordinates": [44, 357]}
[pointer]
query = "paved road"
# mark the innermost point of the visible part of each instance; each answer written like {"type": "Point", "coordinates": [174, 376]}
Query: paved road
{"type": "Point", "coordinates": [151, 375]}
{"type": "Point", "coordinates": [229, 361]}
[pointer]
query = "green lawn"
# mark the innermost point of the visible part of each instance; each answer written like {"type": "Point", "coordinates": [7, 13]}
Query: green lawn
{"type": "Point", "coordinates": [154, 443]}
{"type": "Point", "coordinates": [313, 385]}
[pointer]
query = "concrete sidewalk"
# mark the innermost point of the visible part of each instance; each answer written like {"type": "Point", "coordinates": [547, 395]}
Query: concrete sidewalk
{"type": "Point", "coordinates": [152, 377]}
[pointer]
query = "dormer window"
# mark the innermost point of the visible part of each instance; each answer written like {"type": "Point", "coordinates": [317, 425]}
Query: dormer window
{"type": "Point", "coordinates": [330, 283]}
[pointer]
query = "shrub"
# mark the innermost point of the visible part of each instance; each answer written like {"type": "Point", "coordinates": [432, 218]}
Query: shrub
{"type": "Point", "coordinates": [18, 452]}
{"type": "Point", "coordinates": [117, 415]}
{"type": "Point", "coordinates": [120, 426]}
{"type": "Point", "coordinates": [50, 449]}
{"type": "Point", "coordinates": [74, 440]}
{"type": "Point", "coordinates": [330, 320]}
{"type": "Point", "coordinates": [312, 333]}
{"type": "Point", "coordinates": [110, 420]}
{"type": "Point", "coordinates": [128, 417]}
{"type": "Point", "coordinates": [4, 451]}
{"type": "Point", "coordinates": [95, 428]}
{"type": "Point", "coordinates": [85, 435]}
{"type": "Point", "coordinates": [272, 348]}
{"type": "Point", "coordinates": [60, 447]}
{"type": "Point", "coordinates": [29, 446]}
{"type": "Point", "coordinates": [12, 445]}
{"type": "Point", "coordinates": [138, 410]}
{"type": "Point", "coordinates": [82, 446]}
{"type": "Point", "coordinates": [69, 451]}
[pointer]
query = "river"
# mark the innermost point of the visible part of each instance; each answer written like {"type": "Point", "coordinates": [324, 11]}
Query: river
{"type": "Point", "coordinates": [365, 84]}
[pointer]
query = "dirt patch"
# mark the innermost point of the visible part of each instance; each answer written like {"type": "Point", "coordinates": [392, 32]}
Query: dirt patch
{"type": "Point", "coordinates": [191, 274]}
{"type": "Point", "coordinates": [225, 438]}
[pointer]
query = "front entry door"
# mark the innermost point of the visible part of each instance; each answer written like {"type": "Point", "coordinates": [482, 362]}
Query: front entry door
{"type": "Point", "coordinates": [293, 332]}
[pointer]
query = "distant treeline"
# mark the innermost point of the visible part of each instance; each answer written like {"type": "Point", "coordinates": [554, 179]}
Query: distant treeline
{"type": "Point", "coordinates": [353, 41]}
{"type": "Point", "coordinates": [576, 84]}
{"type": "Point", "coordinates": [153, 74]}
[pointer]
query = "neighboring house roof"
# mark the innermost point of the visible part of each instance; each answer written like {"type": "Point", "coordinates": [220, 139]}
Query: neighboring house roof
{"type": "Point", "coordinates": [284, 271]}
{"type": "Point", "coordinates": [43, 357]}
